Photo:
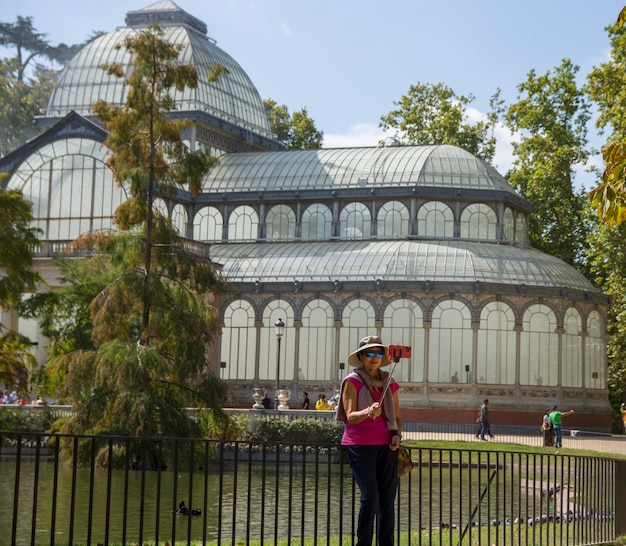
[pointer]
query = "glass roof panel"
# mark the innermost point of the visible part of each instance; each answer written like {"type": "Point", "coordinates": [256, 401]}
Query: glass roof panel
{"type": "Point", "coordinates": [459, 261]}
{"type": "Point", "coordinates": [445, 166]}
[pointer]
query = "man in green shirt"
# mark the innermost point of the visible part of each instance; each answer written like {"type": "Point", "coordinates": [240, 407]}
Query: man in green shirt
{"type": "Point", "coordinates": [555, 417]}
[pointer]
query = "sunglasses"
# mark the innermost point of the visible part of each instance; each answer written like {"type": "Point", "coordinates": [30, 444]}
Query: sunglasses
{"type": "Point", "coordinates": [372, 354]}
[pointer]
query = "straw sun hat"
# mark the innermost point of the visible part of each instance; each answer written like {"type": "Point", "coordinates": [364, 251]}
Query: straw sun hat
{"type": "Point", "coordinates": [367, 343]}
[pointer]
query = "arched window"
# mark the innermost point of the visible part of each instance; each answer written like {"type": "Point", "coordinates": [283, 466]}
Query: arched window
{"type": "Point", "coordinates": [238, 342]}
{"type": "Point", "coordinates": [508, 225]}
{"type": "Point", "coordinates": [358, 320]}
{"type": "Point", "coordinates": [71, 188]}
{"type": "Point", "coordinates": [243, 224]}
{"type": "Point", "coordinates": [268, 362]}
{"type": "Point", "coordinates": [208, 225]}
{"type": "Point", "coordinates": [317, 223]}
{"type": "Point", "coordinates": [393, 221]}
{"type": "Point", "coordinates": [478, 221]}
{"type": "Point", "coordinates": [404, 325]}
{"type": "Point", "coordinates": [539, 344]}
{"type": "Point", "coordinates": [317, 360]}
{"type": "Point", "coordinates": [450, 341]}
{"type": "Point", "coordinates": [521, 229]}
{"type": "Point", "coordinates": [180, 220]}
{"type": "Point", "coordinates": [159, 206]}
{"type": "Point", "coordinates": [435, 219]}
{"type": "Point", "coordinates": [571, 343]}
{"type": "Point", "coordinates": [281, 223]}
{"type": "Point", "coordinates": [496, 339]}
{"type": "Point", "coordinates": [595, 352]}
{"type": "Point", "coordinates": [356, 221]}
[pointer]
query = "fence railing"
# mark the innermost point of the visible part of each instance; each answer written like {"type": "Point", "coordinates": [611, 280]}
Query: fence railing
{"type": "Point", "coordinates": [62, 490]}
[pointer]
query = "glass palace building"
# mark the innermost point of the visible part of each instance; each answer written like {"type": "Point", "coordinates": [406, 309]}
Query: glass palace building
{"type": "Point", "coordinates": [426, 246]}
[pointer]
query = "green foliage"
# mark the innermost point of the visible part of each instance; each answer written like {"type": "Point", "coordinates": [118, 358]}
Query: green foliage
{"type": "Point", "coordinates": [550, 118]}
{"type": "Point", "coordinates": [306, 431]}
{"type": "Point", "coordinates": [15, 419]}
{"type": "Point", "coordinates": [17, 240]}
{"type": "Point", "coordinates": [435, 114]}
{"type": "Point", "coordinates": [294, 132]}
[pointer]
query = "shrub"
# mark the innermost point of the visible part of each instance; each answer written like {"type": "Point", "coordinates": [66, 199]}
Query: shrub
{"type": "Point", "coordinates": [301, 431]}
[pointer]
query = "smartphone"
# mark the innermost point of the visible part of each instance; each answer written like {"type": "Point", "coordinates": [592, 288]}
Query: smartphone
{"type": "Point", "coordinates": [395, 352]}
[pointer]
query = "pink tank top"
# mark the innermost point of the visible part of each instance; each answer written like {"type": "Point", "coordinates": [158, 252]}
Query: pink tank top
{"type": "Point", "coordinates": [368, 432]}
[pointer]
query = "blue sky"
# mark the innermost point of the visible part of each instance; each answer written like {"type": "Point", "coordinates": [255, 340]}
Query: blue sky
{"type": "Point", "coordinates": [347, 61]}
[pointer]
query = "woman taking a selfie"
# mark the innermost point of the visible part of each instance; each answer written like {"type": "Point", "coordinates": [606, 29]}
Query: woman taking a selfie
{"type": "Point", "coordinates": [372, 434]}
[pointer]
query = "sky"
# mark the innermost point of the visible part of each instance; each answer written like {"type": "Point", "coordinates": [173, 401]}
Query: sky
{"type": "Point", "coordinates": [348, 61]}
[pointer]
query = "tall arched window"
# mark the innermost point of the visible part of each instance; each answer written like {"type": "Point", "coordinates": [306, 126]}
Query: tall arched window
{"type": "Point", "coordinates": [238, 342]}
{"type": "Point", "coordinates": [450, 341]}
{"type": "Point", "coordinates": [571, 343]}
{"type": "Point", "coordinates": [268, 347]}
{"type": "Point", "coordinates": [317, 221]}
{"type": "Point", "coordinates": [208, 225]}
{"type": "Point", "coordinates": [435, 219]}
{"type": "Point", "coordinates": [393, 221]}
{"type": "Point", "coordinates": [268, 362]}
{"type": "Point", "coordinates": [595, 352]}
{"type": "Point", "coordinates": [404, 325]}
{"type": "Point", "coordinates": [317, 361]}
{"type": "Point", "coordinates": [508, 225]}
{"type": "Point", "coordinates": [180, 220]}
{"type": "Point", "coordinates": [496, 349]}
{"type": "Point", "coordinates": [160, 206]}
{"type": "Point", "coordinates": [539, 344]}
{"type": "Point", "coordinates": [281, 223]}
{"type": "Point", "coordinates": [356, 221]}
{"type": "Point", "coordinates": [358, 320]}
{"type": "Point", "coordinates": [478, 221]}
{"type": "Point", "coordinates": [243, 224]}
{"type": "Point", "coordinates": [521, 229]}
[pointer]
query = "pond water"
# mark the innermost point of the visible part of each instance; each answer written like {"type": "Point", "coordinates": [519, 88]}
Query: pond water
{"type": "Point", "coordinates": [238, 502]}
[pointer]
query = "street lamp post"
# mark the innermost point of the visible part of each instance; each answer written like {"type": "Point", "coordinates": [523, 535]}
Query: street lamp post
{"type": "Point", "coordinates": [280, 330]}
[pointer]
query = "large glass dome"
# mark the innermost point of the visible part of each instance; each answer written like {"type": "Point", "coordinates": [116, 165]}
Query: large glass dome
{"type": "Point", "coordinates": [233, 98]}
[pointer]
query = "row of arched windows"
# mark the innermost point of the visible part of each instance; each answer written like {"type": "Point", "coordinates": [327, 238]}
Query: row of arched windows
{"type": "Point", "coordinates": [433, 219]}
{"type": "Point", "coordinates": [448, 349]}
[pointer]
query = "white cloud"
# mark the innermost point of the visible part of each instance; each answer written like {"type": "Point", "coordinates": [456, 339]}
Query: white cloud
{"type": "Point", "coordinates": [357, 136]}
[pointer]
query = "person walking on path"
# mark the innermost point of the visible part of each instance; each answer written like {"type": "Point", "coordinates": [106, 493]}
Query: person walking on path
{"type": "Point", "coordinates": [369, 407]}
{"type": "Point", "coordinates": [622, 410]}
{"type": "Point", "coordinates": [555, 417]}
{"type": "Point", "coordinates": [484, 421]}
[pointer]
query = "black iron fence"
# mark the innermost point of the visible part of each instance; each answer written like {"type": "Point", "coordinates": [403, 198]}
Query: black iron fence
{"type": "Point", "coordinates": [82, 490]}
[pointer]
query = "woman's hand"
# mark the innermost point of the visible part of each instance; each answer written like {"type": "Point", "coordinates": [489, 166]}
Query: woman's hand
{"type": "Point", "coordinates": [374, 410]}
{"type": "Point", "coordinates": [395, 442]}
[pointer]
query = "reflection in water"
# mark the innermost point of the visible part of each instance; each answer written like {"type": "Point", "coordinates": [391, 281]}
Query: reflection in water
{"type": "Point", "coordinates": [144, 503]}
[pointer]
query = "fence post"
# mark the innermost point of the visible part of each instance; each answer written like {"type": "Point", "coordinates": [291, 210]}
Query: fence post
{"type": "Point", "coordinates": [620, 498]}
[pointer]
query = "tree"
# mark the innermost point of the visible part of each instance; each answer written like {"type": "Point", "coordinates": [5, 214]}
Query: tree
{"type": "Point", "coordinates": [20, 102]}
{"type": "Point", "coordinates": [550, 119]}
{"type": "Point", "coordinates": [17, 241]}
{"type": "Point", "coordinates": [435, 114]}
{"type": "Point", "coordinates": [294, 132]}
{"type": "Point", "coordinates": [606, 86]}
{"type": "Point", "coordinates": [142, 369]}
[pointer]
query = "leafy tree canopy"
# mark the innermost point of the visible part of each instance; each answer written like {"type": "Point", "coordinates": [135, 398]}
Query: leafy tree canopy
{"type": "Point", "coordinates": [435, 114]}
{"type": "Point", "coordinates": [550, 118]}
{"type": "Point", "coordinates": [606, 86]}
{"type": "Point", "coordinates": [294, 132]}
{"type": "Point", "coordinates": [17, 240]}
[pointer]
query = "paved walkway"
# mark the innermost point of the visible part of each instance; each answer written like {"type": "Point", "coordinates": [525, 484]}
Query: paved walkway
{"type": "Point", "coordinates": [602, 443]}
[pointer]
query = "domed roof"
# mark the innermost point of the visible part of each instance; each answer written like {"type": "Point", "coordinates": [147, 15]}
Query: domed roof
{"type": "Point", "coordinates": [232, 98]}
{"type": "Point", "coordinates": [437, 166]}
